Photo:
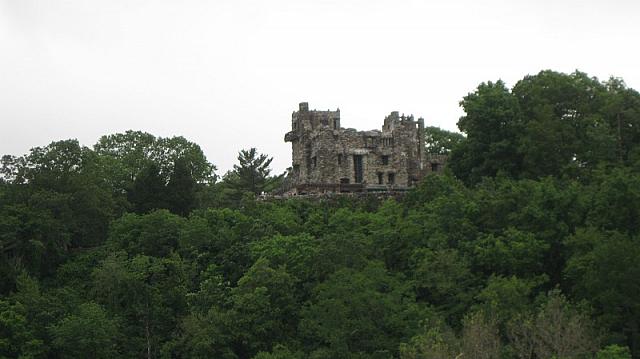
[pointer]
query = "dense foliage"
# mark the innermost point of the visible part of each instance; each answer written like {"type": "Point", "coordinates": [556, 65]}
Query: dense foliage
{"type": "Point", "coordinates": [530, 248]}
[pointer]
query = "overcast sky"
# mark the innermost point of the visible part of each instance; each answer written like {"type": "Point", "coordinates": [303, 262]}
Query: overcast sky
{"type": "Point", "coordinates": [228, 74]}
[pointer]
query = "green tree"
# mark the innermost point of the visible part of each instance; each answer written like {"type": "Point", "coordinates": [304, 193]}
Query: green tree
{"type": "Point", "coordinates": [132, 151]}
{"type": "Point", "coordinates": [506, 299]}
{"type": "Point", "coordinates": [443, 279]}
{"type": "Point", "coordinates": [63, 178]}
{"type": "Point", "coordinates": [614, 352]}
{"type": "Point", "coordinates": [251, 174]}
{"type": "Point", "coordinates": [264, 309]}
{"type": "Point", "coordinates": [441, 142]}
{"type": "Point", "coordinates": [147, 293]}
{"type": "Point", "coordinates": [17, 340]}
{"type": "Point", "coordinates": [181, 189]}
{"type": "Point", "coordinates": [89, 332]}
{"type": "Point", "coordinates": [359, 314]}
{"type": "Point", "coordinates": [437, 341]}
{"type": "Point", "coordinates": [280, 352]}
{"type": "Point", "coordinates": [493, 123]}
{"type": "Point", "coordinates": [148, 191]}
{"type": "Point", "coordinates": [221, 237]}
{"type": "Point", "coordinates": [563, 124]}
{"type": "Point", "coordinates": [154, 234]}
{"type": "Point", "coordinates": [621, 110]}
{"type": "Point", "coordinates": [512, 253]}
{"type": "Point", "coordinates": [602, 269]}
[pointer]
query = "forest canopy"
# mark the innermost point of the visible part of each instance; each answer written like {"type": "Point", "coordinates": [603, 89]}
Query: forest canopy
{"type": "Point", "coordinates": [527, 247]}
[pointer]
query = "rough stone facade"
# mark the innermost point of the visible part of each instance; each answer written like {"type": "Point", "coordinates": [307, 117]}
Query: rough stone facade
{"type": "Point", "coordinates": [330, 158]}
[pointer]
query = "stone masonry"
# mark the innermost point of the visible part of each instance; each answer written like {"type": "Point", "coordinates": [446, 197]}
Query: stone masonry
{"type": "Point", "coordinates": [330, 158]}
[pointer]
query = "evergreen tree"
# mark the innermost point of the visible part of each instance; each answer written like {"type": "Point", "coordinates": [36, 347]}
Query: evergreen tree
{"type": "Point", "coordinates": [181, 189]}
{"type": "Point", "coordinates": [148, 192]}
{"type": "Point", "coordinates": [250, 175]}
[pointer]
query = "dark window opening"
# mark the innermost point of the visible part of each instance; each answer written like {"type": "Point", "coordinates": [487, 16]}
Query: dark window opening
{"type": "Point", "coordinates": [391, 178]}
{"type": "Point", "coordinates": [385, 160]}
{"type": "Point", "coordinates": [357, 167]}
{"type": "Point", "coordinates": [380, 178]}
{"type": "Point", "coordinates": [314, 161]}
{"type": "Point", "coordinates": [434, 167]}
{"type": "Point", "coordinates": [339, 159]}
{"type": "Point", "coordinates": [344, 181]}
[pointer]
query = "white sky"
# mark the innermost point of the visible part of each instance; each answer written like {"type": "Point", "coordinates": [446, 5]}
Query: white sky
{"type": "Point", "coordinates": [227, 74]}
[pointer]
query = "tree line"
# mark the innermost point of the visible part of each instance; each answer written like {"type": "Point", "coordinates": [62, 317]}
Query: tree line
{"type": "Point", "coordinates": [528, 247]}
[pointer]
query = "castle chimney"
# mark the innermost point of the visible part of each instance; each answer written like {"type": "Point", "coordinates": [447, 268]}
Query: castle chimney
{"type": "Point", "coordinates": [304, 106]}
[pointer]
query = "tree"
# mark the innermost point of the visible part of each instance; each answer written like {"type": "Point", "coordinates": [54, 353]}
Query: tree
{"type": "Point", "coordinates": [264, 309]}
{"type": "Point", "coordinates": [480, 337]}
{"type": "Point", "coordinates": [558, 330]}
{"type": "Point", "coordinates": [549, 124]}
{"type": "Point", "coordinates": [148, 293]}
{"type": "Point", "coordinates": [128, 154]}
{"type": "Point", "coordinates": [32, 238]}
{"type": "Point", "coordinates": [148, 191]}
{"type": "Point", "coordinates": [492, 123]}
{"type": "Point", "coordinates": [443, 279]}
{"type": "Point", "coordinates": [181, 189]}
{"type": "Point", "coordinates": [359, 314]}
{"type": "Point", "coordinates": [621, 110]}
{"type": "Point", "coordinates": [221, 237]}
{"type": "Point", "coordinates": [563, 124]}
{"type": "Point", "coordinates": [436, 342]}
{"type": "Point", "coordinates": [441, 142]}
{"type": "Point", "coordinates": [89, 332]}
{"type": "Point", "coordinates": [512, 253]}
{"type": "Point", "coordinates": [64, 179]}
{"type": "Point", "coordinates": [17, 340]}
{"type": "Point", "coordinates": [505, 299]}
{"type": "Point", "coordinates": [251, 174]}
{"type": "Point", "coordinates": [281, 352]}
{"type": "Point", "coordinates": [603, 270]}
{"type": "Point", "coordinates": [614, 352]}
{"type": "Point", "coordinates": [153, 234]}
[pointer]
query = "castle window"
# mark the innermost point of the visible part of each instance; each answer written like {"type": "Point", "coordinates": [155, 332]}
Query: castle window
{"type": "Point", "coordinates": [385, 160]}
{"type": "Point", "coordinates": [380, 178]}
{"type": "Point", "coordinates": [339, 159]}
{"type": "Point", "coordinates": [391, 178]}
{"type": "Point", "coordinates": [314, 161]}
{"type": "Point", "coordinates": [358, 168]}
{"type": "Point", "coordinates": [434, 167]}
{"type": "Point", "coordinates": [344, 181]}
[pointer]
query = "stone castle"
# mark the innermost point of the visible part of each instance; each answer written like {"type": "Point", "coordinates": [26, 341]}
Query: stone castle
{"type": "Point", "coordinates": [330, 158]}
